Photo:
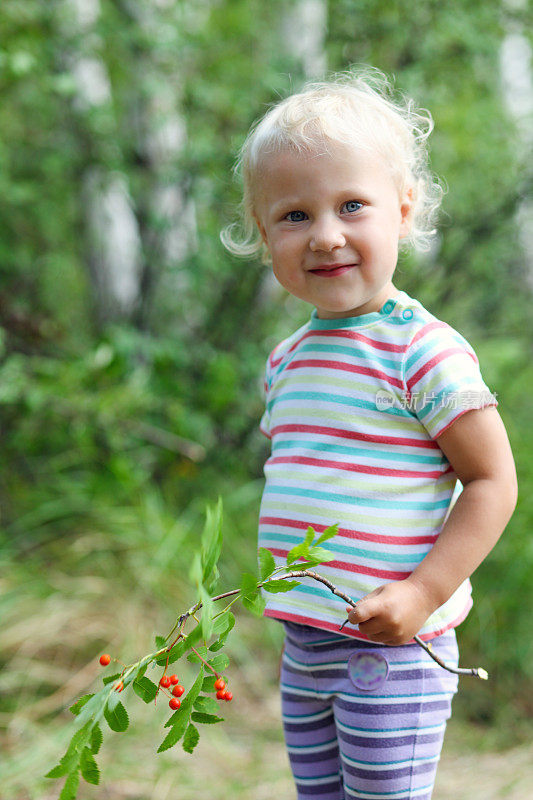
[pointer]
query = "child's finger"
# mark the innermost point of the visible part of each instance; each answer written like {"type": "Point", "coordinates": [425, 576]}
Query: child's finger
{"type": "Point", "coordinates": [362, 612]}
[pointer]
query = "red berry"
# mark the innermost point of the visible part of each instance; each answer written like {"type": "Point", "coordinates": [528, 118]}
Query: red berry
{"type": "Point", "coordinates": [174, 679]}
{"type": "Point", "coordinates": [105, 659]}
{"type": "Point", "coordinates": [221, 694]}
{"type": "Point", "coordinates": [165, 681]}
{"type": "Point", "coordinates": [119, 687]}
{"type": "Point", "coordinates": [174, 703]}
{"type": "Point", "coordinates": [228, 695]}
{"type": "Point", "coordinates": [220, 683]}
{"type": "Point", "coordinates": [177, 691]}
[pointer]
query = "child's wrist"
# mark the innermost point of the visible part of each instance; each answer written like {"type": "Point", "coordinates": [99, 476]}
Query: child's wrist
{"type": "Point", "coordinates": [430, 596]}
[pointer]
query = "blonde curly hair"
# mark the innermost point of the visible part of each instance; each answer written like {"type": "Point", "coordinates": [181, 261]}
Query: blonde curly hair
{"type": "Point", "coordinates": [358, 107]}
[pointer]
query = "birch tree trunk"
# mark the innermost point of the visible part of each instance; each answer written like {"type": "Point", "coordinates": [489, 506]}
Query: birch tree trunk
{"type": "Point", "coordinates": [516, 69]}
{"type": "Point", "coordinates": [130, 241]}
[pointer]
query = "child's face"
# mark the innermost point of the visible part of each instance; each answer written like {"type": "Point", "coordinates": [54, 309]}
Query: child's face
{"type": "Point", "coordinates": [332, 223]}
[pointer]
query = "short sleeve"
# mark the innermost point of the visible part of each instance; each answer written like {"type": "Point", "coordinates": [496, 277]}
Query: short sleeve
{"type": "Point", "coordinates": [442, 378]}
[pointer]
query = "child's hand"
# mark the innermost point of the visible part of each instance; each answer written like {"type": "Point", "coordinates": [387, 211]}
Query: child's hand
{"type": "Point", "coordinates": [393, 613]}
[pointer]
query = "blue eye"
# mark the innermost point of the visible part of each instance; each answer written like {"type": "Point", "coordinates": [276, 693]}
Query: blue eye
{"type": "Point", "coordinates": [295, 216]}
{"type": "Point", "coordinates": [353, 205]}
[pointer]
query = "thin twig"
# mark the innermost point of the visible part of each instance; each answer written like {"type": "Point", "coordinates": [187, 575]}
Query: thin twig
{"type": "Point", "coordinates": [477, 672]}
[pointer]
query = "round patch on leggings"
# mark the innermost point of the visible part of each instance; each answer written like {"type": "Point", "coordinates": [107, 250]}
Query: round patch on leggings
{"type": "Point", "coordinates": [368, 670]}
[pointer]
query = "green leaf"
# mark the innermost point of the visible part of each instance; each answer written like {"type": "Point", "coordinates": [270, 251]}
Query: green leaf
{"type": "Point", "coordinates": [89, 768]}
{"type": "Point", "coordinates": [58, 771]}
{"type": "Point", "coordinates": [211, 543]}
{"type": "Point", "coordinates": [96, 738]}
{"type": "Point", "coordinates": [117, 719]}
{"type": "Point", "coordinates": [200, 651]}
{"type": "Point", "coordinates": [267, 565]}
{"type": "Point", "coordinates": [175, 733]}
{"type": "Point", "coordinates": [206, 705]}
{"type": "Point", "coordinates": [256, 606]}
{"type": "Point", "coordinates": [206, 719]}
{"type": "Point", "coordinates": [186, 706]}
{"type": "Point", "coordinates": [70, 789]}
{"type": "Point", "coordinates": [219, 662]}
{"type": "Point", "coordinates": [320, 555]}
{"type": "Point", "coordinates": [280, 586]}
{"type": "Point", "coordinates": [160, 642]}
{"type": "Point", "coordinates": [223, 625]}
{"type": "Point", "coordinates": [78, 705]}
{"type": "Point", "coordinates": [145, 688]}
{"type": "Point", "coordinates": [207, 613]}
{"type": "Point", "coordinates": [111, 678]}
{"type": "Point", "coordinates": [248, 586]}
{"type": "Point", "coordinates": [71, 759]}
{"type": "Point", "coordinates": [209, 684]}
{"type": "Point", "coordinates": [301, 550]}
{"type": "Point", "coordinates": [195, 570]}
{"type": "Point", "coordinates": [329, 533]}
{"type": "Point", "coordinates": [113, 700]}
{"type": "Point", "coordinates": [191, 738]}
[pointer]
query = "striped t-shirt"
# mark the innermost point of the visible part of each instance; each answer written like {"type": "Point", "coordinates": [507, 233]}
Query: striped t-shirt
{"type": "Point", "coordinates": [353, 409]}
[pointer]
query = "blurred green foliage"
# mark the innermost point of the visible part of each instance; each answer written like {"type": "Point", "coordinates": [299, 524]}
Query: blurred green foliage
{"type": "Point", "coordinates": [116, 432]}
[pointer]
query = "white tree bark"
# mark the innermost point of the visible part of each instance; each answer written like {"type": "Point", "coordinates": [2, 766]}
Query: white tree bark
{"type": "Point", "coordinates": [516, 69]}
{"type": "Point", "coordinates": [126, 253]}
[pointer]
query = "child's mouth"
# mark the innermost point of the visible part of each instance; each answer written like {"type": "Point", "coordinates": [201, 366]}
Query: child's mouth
{"type": "Point", "coordinates": [332, 269]}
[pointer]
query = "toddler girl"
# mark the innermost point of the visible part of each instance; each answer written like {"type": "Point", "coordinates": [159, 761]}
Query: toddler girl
{"type": "Point", "coordinates": [377, 412]}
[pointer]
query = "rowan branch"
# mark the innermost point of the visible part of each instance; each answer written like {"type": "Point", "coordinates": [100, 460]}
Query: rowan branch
{"type": "Point", "coordinates": [477, 672]}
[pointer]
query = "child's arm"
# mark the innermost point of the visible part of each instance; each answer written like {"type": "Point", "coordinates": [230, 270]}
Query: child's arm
{"type": "Point", "coordinates": [477, 447]}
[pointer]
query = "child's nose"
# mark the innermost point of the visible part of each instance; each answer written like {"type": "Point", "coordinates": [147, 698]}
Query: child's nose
{"type": "Point", "coordinates": [326, 236]}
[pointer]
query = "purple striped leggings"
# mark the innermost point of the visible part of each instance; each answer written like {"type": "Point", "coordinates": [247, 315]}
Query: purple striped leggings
{"type": "Point", "coordinates": [363, 720]}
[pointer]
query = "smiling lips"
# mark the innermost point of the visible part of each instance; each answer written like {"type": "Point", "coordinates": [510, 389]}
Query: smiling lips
{"type": "Point", "coordinates": [330, 270]}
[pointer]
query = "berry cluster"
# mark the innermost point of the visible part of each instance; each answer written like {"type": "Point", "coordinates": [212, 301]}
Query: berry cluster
{"type": "Point", "coordinates": [168, 681]}
{"type": "Point", "coordinates": [177, 690]}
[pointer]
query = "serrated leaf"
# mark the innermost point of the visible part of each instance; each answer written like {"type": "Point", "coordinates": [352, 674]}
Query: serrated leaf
{"type": "Point", "coordinates": [117, 719]}
{"type": "Point", "coordinates": [328, 533]}
{"type": "Point", "coordinates": [78, 705]}
{"type": "Point", "coordinates": [280, 586]}
{"type": "Point", "coordinates": [145, 689]}
{"type": "Point", "coordinates": [209, 684]}
{"type": "Point", "coordinates": [249, 588]}
{"type": "Point", "coordinates": [267, 565]}
{"type": "Point", "coordinates": [301, 550]}
{"type": "Point", "coordinates": [71, 759]}
{"type": "Point", "coordinates": [111, 678]}
{"type": "Point", "coordinates": [228, 620]}
{"type": "Point", "coordinates": [206, 705]}
{"type": "Point", "coordinates": [57, 772]}
{"type": "Point", "coordinates": [96, 739]}
{"type": "Point", "coordinates": [113, 700]}
{"type": "Point", "coordinates": [187, 704]}
{"type": "Point", "coordinates": [256, 606]}
{"type": "Point", "coordinates": [70, 789]}
{"type": "Point", "coordinates": [321, 555]}
{"type": "Point", "coordinates": [219, 662]}
{"type": "Point", "coordinates": [195, 570]}
{"type": "Point", "coordinates": [200, 651]}
{"type": "Point", "coordinates": [175, 733]}
{"type": "Point", "coordinates": [206, 719]}
{"type": "Point", "coordinates": [191, 738]}
{"type": "Point", "coordinates": [207, 613]}
{"type": "Point", "coordinates": [89, 768]}
{"type": "Point", "coordinates": [211, 542]}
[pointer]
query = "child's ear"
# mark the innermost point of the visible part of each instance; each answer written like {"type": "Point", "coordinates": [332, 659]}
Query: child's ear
{"type": "Point", "coordinates": [260, 227]}
{"type": "Point", "coordinates": [406, 211]}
